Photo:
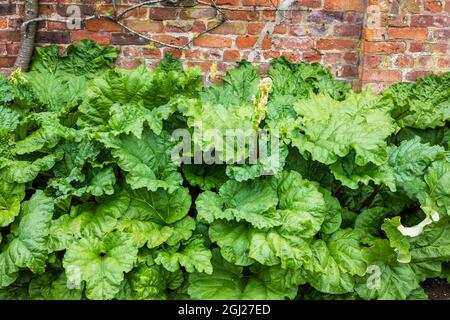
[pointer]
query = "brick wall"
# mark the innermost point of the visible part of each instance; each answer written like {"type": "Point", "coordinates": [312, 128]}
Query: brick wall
{"type": "Point", "coordinates": [410, 38]}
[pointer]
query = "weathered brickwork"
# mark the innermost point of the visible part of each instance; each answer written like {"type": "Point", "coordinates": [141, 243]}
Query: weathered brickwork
{"type": "Point", "coordinates": [403, 39]}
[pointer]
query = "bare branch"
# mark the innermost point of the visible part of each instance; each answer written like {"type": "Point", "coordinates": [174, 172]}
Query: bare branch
{"type": "Point", "coordinates": [51, 19]}
{"type": "Point", "coordinates": [27, 36]}
{"type": "Point", "coordinates": [143, 36]}
{"type": "Point", "coordinates": [252, 9]}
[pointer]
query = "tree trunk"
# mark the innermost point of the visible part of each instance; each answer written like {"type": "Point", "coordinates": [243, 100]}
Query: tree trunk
{"type": "Point", "coordinates": [27, 33]}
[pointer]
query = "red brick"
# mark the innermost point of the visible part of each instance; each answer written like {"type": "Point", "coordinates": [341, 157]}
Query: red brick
{"type": "Point", "coordinates": [102, 25]}
{"type": "Point", "coordinates": [227, 2]}
{"type": "Point", "coordinates": [424, 62]}
{"type": "Point", "coordinates": [10, 36]}
{"type": "Point", "coordinates": [15, 23]}
{"type": "Point", "coordinates": [447, 6]}
{"type": "Point", "coordinates": [441, 48]}
{"type": "Point", "coordinates": [154, 53]}
{"type": "Point", "coordinates": [312, 56]}
{"type": "Point", "coordinates": [250, 41]}
{"type": "Point", "coordinates": [375, 34]}
{"type": "Point", "coordinates": [261, 3]}
{"type": "Point", "coordinates": [229, 27]}
{"type": "Point", "coordinates": [404, 62]}
{"type": "Point", "coordinates": [382, 75]}
{"type": "Point", "coordinates": [310, 3]}
{"type": "Point", "coordinates": [266, 44]}
{"type": "Point", "coordinates": [293, 56]}
{"type": "Point", "coordinates": [255, 27]}
{"type": "Point", "coordinates": [421, 20]}
{"type": "Point", "coordinates": [416, 46]}
{"type": "Point", "coordinates": [322, 17]}
{"type": "Point", "coordinates": [231, 55]}
{"type": "Point", "coordinates": [385, 47]}
{"type": "Point", "coordinates": [408, 33]}
{"type": "Point", "coordinates": [353, 17]}
{"type": "Point", "coordinates": [193, 54]}
{"type": "Point", "coordinates": [184, 26]}
{"type": "Point", "coordinates": [213, 41]}
{"type": "Point", "coordinates": [395, 20]}
{"type": "Point", "coordinates": [294, 17]}
{"type": "Point", "coordinates": [176, 41]}
{"type": "Point", "coordinates": [414, 75]}
{"type": "Point", "coordinates": [12, 49]}
{"type": "Point", "coordinates": [127, 63]}
{"type": "Point", "coordinates": [3, 23]}
{"type": "Point", "coordinates": [7, 9]}
{"type": "Point", "coordinates": [205, 66]}
{"type": "Point", "coordinates": [56, 26]}
{"type": "Point", "coordinates": [372, 62]}
{"type": "Point", "coordinates": [145, 25]}
{"type": "Point", "coordinates": [199, 26]}
{"type": "Point", "coordinates": [295, 43]}
{"type": "Point", "coordinates": [347, 30]}
{"type": "Point", "coordinates": [430, 21]}
{"type": "Point", "coordinates": [441, 21]}
{"type": "Point", "coordinates": [347, 71]}
{"type": "Point", "coordinates": [441, 34]}
{"type": "Point", "coordinates": [102, 38]}
{"type": "Point", "coordinates": [203, 54]}
{"type": "Point", "coordinates": [444, 63]}
{"type": "Point", "coordinates": [127, 38]}
{"type": "Point", "coordinates": [198, 13]}
{"type": "Point", "coordinates": [351, 57]}
{"type": "Point", "coordinates": [163, 13]}
{"type": "Point", "coordinates": [270, 15]}
{"type": "Point", "coordinates": [299, 31]}
{"type": "Point", "coordinates": [336, 44]}
{"type": "Point", "coordinates": [47, 10]}
{"type": "Point", "coordinates": [332, 58]}
{"type": "Point", "coordinates": [6, 62]}
{"type": "Point", "coordinates": [280, 29]}
{"type": "Point", "coordinates": [140, 13]}
{"type": "Point", "coordinates": [246, 42]}
{"type": "Point", "coordinates": [57, 37]}
{"type": "Point", "coordinates": [131, 51]}
{"type": "Point", "coordinates": [242, 15]}
{"type": "Point", "coordinates": [411, 6]}
{"type": "Point", "coordinates": [269, 55]}
{"type": "Point", "coordinates": [354, 5]}
{"type": "Point", "coordinates": [433, 5]}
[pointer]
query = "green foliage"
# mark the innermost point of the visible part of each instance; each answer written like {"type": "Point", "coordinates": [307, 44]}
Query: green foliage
{"type": "Point", "coordinates": [352, 201]}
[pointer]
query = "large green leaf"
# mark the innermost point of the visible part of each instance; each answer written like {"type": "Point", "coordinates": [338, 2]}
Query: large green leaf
{"type": "Point", "coordinates": [327, 130]}
{"type": "Point", "coordinates": [101, 263]}
{"type": "Point", "coordinates": [148, 160]}
{"type": "Point", "coordinates": [27, 246]}
{"type": "Point", "coordinates": [11, 194]}
{"type": "Point", "coordinates": [228, 283]}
